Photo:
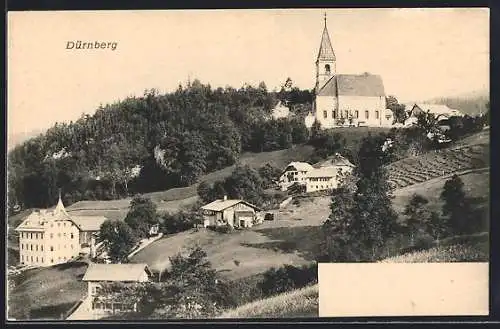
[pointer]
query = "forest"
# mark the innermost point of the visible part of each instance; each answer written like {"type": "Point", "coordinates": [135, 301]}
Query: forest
{"type": "Point", "coordinates": [152, 142]}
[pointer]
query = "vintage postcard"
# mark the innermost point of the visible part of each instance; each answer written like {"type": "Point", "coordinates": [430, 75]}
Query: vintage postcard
{"type": "Point", "coordinates": [236, 164]}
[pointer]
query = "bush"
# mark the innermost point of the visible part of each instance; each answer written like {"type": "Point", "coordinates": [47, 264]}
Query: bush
{"type": "Point", "coordinates": [288, 278]}
{"type": "Point", "coordinates": [221, 228]}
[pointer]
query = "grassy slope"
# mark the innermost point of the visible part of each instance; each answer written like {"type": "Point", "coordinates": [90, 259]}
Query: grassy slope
{"type": "Point", "coordinates": [45, 293]}
{"type": "Point", "coordinates": [297, 303]}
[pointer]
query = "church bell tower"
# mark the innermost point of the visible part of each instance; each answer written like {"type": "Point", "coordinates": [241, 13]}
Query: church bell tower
{"type": "Point", "coordinates": [326, 61]}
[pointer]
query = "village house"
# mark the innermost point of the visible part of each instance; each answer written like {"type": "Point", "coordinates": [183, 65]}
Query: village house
{"type": "Point", "coordinates": [295, 172]}
{"type": "Point", "coordinates": [327, 175]}
{"type": "Point", "coordinates": [48, 237]}
{"type": "Point", "coordinates": [280, 111]}
{"type": "Point", "coordinates": [439, 110]}
{"type": "Point", "coordinates": [236, 213]}
{"type": "Point", "coordinates": [102, 304]}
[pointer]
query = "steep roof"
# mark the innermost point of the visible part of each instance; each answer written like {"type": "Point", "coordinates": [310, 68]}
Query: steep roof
{"type": "Point", "coordinates": [368, 85]}
{"type": "Point", "coordinates": [325, 49]}
{"type": "Point", "coordinates": [115, 272]}
{"type": "Point", "coordinates": [300, 166]}
{"type": "Point", "coordinates": [220, 205]}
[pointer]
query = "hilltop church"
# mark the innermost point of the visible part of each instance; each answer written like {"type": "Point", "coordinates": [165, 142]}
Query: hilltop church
{"type": "Point", "coordinates": [346, 99]}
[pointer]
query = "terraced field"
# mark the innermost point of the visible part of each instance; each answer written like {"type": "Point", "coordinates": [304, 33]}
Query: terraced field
{"type": "Point", "coordinates": [413, 170]}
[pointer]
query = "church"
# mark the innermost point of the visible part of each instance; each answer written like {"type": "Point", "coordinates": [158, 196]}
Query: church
{"type": "Point", "coordinates": [346, 99]}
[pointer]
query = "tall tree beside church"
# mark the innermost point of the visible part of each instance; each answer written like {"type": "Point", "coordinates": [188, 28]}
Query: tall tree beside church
{"type": "Point", "coordinates": [398, 110]}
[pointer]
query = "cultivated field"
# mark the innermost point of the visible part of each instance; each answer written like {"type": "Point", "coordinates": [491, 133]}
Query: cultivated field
{"type": "Point", "coordinates": [413, 170]}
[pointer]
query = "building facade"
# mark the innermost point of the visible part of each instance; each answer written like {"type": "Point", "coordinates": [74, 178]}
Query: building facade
{"type": "Point", "coordinates": [49, 237]}
{"type": "Point", "coordinates": [346, 99]}
{"type": "Point", "coordinates": [98, 304]}
{"type": "Point", "coordinates": [294, 173]}
{"type": "Point", "coordinates": [235, 213]}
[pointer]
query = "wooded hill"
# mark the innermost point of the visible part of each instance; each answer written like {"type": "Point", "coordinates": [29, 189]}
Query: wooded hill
{"type": "Point", "coordinates": [175, 138]}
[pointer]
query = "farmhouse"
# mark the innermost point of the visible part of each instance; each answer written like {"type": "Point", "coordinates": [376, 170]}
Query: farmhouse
{"type": "Point", "coordinates": [439, 110]}
{"type": "Point", "coordinates": [280, 111]}
{"type": "Point", "coordinates": [347, 99]}
{"type": "Point", "coordinates": [327, 175]}
{"type": "Point", "coordinates": [236, 213]}
{"type": "Point", "coordinates": [295, 172]}
{"type": "Point", "coordinates": [48, 237]}
{"type": "Point", "coordinates": [98, 274]}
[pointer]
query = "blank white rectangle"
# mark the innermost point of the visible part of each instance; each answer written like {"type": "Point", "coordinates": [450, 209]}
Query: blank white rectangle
{"type": "Point", "coordinates": [403, 289]}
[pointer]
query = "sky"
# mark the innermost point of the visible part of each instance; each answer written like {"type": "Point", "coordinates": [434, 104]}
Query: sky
{"type": "Point", "coordinates": [420, 54]}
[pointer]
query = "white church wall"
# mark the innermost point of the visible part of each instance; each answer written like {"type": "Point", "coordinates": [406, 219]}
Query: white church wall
{"type": "Point", "coordinates": [363, 104]}
{"type": "Point", "coordinates": [325, 105]}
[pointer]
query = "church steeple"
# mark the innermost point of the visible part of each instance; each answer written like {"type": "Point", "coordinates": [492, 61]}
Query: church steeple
{"type": "Point", "coordinates": [326, 60]}
{"type": "Point", "coordinates": [60, 206]}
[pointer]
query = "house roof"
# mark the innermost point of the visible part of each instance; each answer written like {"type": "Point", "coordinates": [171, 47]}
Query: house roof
{"type": "Point", "coordinates": [436, 109]}
{"type": "Point", "coordinates": [325, 49]}
{"type": "Point", "coordinates": [335, 161]}
{"type": "Point", "coordinates": [323, 172]}
{"type": "Point", "coordinates": [39, 219]}
{"type": "Point", "coordinates": [115, 272]}
{"type": "Point", "coordinates": [368, 85]}
{"type": "Point", "coordinates": [299, 166]}
{"type": "Point", "coordinates": [88, 223]}
{"type": "Point", "coordinates": [220, 205]}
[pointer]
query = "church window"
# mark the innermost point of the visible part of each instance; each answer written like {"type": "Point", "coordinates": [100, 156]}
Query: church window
{"type": "Point", "coordinates": [72, 236]}
{"type": "Point", "coordinates": [32, 259]}
{"type": "Point", "coordinates": [52, 260]}
{"type": "Point", "coordinates": [366, 115]}
{"type": "Point", "coordinates": [325, 114]}
{"type": "Point", "coordinates": [346, 113]}
{"type": "Point", "coordinates": [37, 259]}
{"type": "Point", "coordinates": [334, 114]}
{"type": "Point", "coordinates": [51, 248]}
{"type": "Point", "coordinates": [36, 247]}
{"type": "Point", "coordinates": [376, 114]}
{"type": "Point", "coordinates": [41, 249]}
{"type": "Point", "coordinates": [356, 113]}
{"type": "Point", "coordinates": [327, 69]}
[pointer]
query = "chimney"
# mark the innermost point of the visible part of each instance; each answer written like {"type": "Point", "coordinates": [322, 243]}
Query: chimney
{"type": "Point", "coordinates": [225, 197]}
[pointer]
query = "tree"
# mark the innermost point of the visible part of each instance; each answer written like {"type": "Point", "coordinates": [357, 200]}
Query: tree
{"type": "Point", "coordinates": [141, 216]}
{"type": "Point", "coordinates": [118, 238]}
{"type": "Point", "coordinates": [398, 110]}
{"type": "Point", "coordinates": [244, 183]}
{"type": "Point", "coordinates": [419, 218]}
{"type": "Point", "coordinates": [457, 207]}
{"type": "Point", "coordinates": [269, 175]}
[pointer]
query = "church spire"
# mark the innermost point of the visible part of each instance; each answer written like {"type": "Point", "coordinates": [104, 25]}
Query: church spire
{"type": "Point", "coordinates": [326, 50]}
{"type": "Point", "coordinates": [60, 205]}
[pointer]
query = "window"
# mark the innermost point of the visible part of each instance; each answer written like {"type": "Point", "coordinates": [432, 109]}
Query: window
{"type": "Point", "coordinates": [42, 259]}
{"type": "Point", "coordinates": [325, 114]}
{"type": "Point", "coordinates": [64, 257]}
{"type": "Point", "coordinates": [64, 234]}
{"type": "Point", "coordinates": [31, 235]}
{"type": "Point", "coordinates": [72, 235]}
{"type": "Point", "coordinates": [346, 113]}
{"type": "Point", "coordinates": [22, 258]}
{"type": "Point", "coordinates": [36, 247]}
{"type": "Point", "coordinates": [52, 260]}
{"type": "Point", "coordinates": [64, 246]}
{"type": "Point", "coordinates": [32, 259]}
{"type": "Point", "coordinates": [51, 248]}
{"type": "Point", "coordinates": [327, 69]}
{"type": "Point", "coordinates": [51, 235]}
{"type": "Point", "coordinates": [41, 249]}
{"type": "Point", "coordinates": [71, 246]}
{"type": "Point", "coordinates": [334, 114]}
{"type": "Point", "coordinates": [22, 246]}
{"type": "Point", "coordinates": [58, 224]}
{"type": "Point", "coordinates": [64, 224]}
{"type": "Point", "coordinates": [21, 235]}
{"type": "Point", "coordinates": [31, 247]}
{"type": "Point", "coordinates": [376, 114]}
{"type": "Point", "coordinates": [37, 259]}
{"type": "Point", "coordinates": [366, 115]}
{"type": "Point", "coordinates": [356, 113]}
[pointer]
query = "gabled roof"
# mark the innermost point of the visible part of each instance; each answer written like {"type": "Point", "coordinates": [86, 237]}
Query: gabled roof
{"type": "Point", "coordinates": [335, 161]}
{"type": "Point", "coordinates": [325, 49]}
{"type": "Point", "coordinates": [115, 272]}
{"type": "Point", "coordinates": [88, 223]}
{"type": "Point", "coordinates": [299, 166]}
{"type": "Point", "coordinates": [437, 109]}
{"type": "Point", "coordinates": [368, 85]}
{"type": "Point", "coordinates": [220, 205]}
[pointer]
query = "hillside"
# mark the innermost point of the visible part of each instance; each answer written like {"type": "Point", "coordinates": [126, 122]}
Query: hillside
{"type": "Point", "coordinates": [294, 304]}
{"type": "Point", "coordinates": [46, 293]}
{"type": "Point", "coordinates": [471, 103]}
{"type": "Point", "coordinates": [444, 162]}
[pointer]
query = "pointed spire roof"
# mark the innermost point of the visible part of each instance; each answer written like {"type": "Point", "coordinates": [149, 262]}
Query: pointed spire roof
{"type": "Point", "coordinates": [60, 206]}
{"type": "Point", "coordinates": [325, 48]}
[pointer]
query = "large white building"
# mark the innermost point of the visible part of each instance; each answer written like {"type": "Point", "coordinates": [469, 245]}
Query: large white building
{"type": "Point", "coordinates": [347, 99]}
{"type": "Point", "coordinates": [48, 237]}
{"type": "Point", "coordinates": [294, 173]}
